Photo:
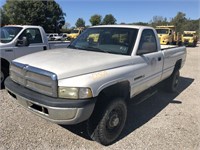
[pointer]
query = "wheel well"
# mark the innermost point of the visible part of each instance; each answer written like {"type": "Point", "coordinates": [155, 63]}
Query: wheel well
{"type": "Point", "coordinates": [178, 65]}
{"type": "Point", "coordinates": [121, 89]}
{"type": "Point", "coordinates": [4, 63]}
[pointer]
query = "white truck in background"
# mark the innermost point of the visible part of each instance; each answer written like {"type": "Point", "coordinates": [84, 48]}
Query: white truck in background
{"type": "Point", "coordinates": [50, 36]}
{"type": "Point", "coordinates": [20, 40]}
{"type": "Point", "coordinates": [60, 37]}
{"type": "Point", "coordinates": [95, 77]}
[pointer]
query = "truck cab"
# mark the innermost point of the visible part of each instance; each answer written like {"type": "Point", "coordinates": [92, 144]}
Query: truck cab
{"type": "Point", "coordinates": [20, 40]}
{"type": "Point", "coordinates": [168, 35]}
{"type": "Point", "coordinates": [16, 40]}
{"type": "Point", "coordinates": [75, 33]}
{"type": "Point", "coordinates": [189, 38]}
{"type": "Point", "coordinates": [50, 36]}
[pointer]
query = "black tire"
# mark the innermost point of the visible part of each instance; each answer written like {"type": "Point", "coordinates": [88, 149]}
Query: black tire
{"type": "Point", "coordinates": [3, 76]}
{"type": "Point", "coordinates": [180, 43]}
{"type": "Point", "coordinates": [107, 127]}
{"type": "Point", "coordinates": [69, 39]}
{"type": "Point", "coordinates": [194, 44]}
{"type": "Point", "coordinates": [173, 81]}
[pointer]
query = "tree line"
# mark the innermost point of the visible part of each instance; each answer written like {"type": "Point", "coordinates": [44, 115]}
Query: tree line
{"type": "Point", "coordinates": [97, 20]}
{"type": "Point", "coordinates": [50, 16]}
{"type": "Point", "coordinates": [47, 14]}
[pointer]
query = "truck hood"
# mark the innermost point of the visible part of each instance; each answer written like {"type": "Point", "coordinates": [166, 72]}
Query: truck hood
{"type": "Point", "coordinates": [67, 63]}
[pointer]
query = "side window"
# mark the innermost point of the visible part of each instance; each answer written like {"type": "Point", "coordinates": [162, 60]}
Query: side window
{"type": "Point", "coordinates": [33, 35]}
{"type": "Point", "coordinates": [148, 42]}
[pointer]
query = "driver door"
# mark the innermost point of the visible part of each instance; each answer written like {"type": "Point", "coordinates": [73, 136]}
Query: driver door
{"type": "Point", "coordinates": [34, 38]}
{"type": "Point", "coordinates": [151, 61]}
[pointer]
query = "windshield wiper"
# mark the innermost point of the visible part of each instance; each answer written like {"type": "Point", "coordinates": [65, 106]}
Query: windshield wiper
{"type": "Point", "coordinates": [94, 49]}
{"type": "Point", "coordinates": [88, 48]}
{"type": "Point", "coordinates": [73, 47]}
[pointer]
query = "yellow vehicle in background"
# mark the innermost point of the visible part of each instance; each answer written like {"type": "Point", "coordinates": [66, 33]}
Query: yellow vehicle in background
{"type": "Point", "coordinates": [189, 38]}
{"type": "Point", "coordinates": [168, 35]}
{"type": "Point", "coordinates": [75, 33]}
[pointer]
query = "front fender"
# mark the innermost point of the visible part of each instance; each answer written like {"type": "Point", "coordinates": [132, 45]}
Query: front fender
{"type": "Point", "coordinates": [100, 80]}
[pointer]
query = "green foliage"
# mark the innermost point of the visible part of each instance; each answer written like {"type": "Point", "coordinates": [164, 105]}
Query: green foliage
{"type": "Point", "coordinates": [66, 25]}
{"type": "Point", "coordinates": [80, 23]}
{"type": "Point", "coordinates": [95, 20]}
{"type": "Point", "coordinates": [191, 25]}
{"type": "Point", "coordinates": [179, 20]}
{"type": "Point", "coordinates": [140, 23]}
{"type": "Point", "coordinates": [47, 14]}
{"type": "Point", "coordinates": [3, 18]}
{"type": "Point", "coordinates": [109, 19]}
{"type": "Point", "coordinates": [158, 21]}
{"type": "Point", "coordinates": [65, 30]}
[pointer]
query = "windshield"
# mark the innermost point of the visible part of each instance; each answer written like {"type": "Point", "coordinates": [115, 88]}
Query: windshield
{"type": "Point", "coordinates": [74, 31]}
{"type": "Point", "coordinates": [9, 33]}
{"type": "Point", "coordinates": [162, 31]}
{"type": "Point", "coordinates": [107, 40]}
{"type": "Point", "coordinates": [188, 35]}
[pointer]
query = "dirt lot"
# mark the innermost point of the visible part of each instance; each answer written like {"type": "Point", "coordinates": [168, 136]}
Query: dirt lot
{"type": "Point", "coordinates": [164, 121]}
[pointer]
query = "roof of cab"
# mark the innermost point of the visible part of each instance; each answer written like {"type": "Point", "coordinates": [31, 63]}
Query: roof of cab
{"type": "Point", "coordinates": [23, 26]}
{"type": "Point", "coordinates": [122, 26]}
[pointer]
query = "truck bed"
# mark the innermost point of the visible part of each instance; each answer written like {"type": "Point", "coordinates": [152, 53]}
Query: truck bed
{"type": "Point", "coordinates": [164, 47]}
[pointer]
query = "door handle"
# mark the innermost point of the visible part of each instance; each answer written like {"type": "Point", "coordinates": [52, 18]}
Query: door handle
{"type": "Point", "coordinates": [8, 50]}
{"type": "Point", "coordinates": [159, 58]}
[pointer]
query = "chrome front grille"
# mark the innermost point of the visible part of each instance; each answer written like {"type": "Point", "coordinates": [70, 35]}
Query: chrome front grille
{"type": "Point", "coordinates": [36, 79]}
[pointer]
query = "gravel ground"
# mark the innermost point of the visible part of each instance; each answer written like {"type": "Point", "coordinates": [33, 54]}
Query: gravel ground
{"type": "Point", "coordinates": [164, 121]}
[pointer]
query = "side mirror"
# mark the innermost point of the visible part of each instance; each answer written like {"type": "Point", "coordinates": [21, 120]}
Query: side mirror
{"type": "Point", "coordinates": [23, 42]}
{"type": "Point", "coordinates": [141, 52]}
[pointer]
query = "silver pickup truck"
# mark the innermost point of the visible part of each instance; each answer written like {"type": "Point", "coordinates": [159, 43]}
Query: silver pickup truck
{"type": "Point", "coordinates": [20, 40]}
{"type": "Point", "coordinates": [93, 79]}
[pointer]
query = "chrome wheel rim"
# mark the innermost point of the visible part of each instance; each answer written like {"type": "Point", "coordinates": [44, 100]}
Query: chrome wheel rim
{"type": "Point", "coordinates": [114, 120]}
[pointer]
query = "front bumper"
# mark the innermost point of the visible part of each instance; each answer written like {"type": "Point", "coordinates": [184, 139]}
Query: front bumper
{"type": "Point", "coordinates": [57, 110]}
{"type": "Point", "coordinates": [188, 43]}
{"type": "Point", "coordinates": [164, 42]}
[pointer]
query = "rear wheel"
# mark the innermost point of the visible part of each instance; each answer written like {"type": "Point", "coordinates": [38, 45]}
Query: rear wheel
{"type": "Point", "coordinates": [173, 81]}
{"type": "Point", "coordinates": [3, 75]}
{"type": "Point", "coordinates": [107, 127]}
{"type": "Point", "coordinates": [194, 44]}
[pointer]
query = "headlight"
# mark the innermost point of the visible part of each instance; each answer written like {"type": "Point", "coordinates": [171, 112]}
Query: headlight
{"type": "Point", "coordinates": [74, 92]}
{"type": "Point", "coordinates": [191, 40]}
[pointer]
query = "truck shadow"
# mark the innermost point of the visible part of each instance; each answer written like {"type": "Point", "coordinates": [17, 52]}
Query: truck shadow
{"type": "Point", "coordinates": [139, 114]}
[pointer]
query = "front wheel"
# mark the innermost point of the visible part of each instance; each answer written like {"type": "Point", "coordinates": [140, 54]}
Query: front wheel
{"type": "Point", "coordinates": [194, 44]}
{"type": "Point", "coordinates": [110, 124]}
